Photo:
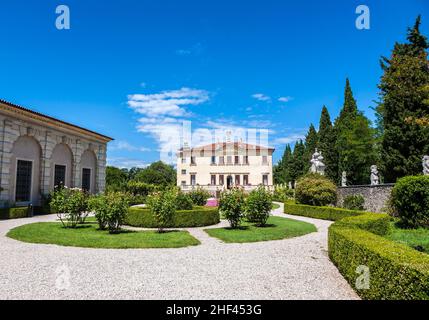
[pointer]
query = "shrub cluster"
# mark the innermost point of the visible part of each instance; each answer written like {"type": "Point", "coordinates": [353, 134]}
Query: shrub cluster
{"type": "Point", "coordinates": [232, 206]}
{"type": "Point", "coordinates": [163, 207]}
{"type": "Point", "coordinates": [199, 196]}
{"type": "Point", "coordinates": [197, 217]}
{"type": "Point", "coordinates": [354, 202]}
{"type": "Point", "coordinates": [110, 210]}
{"type": "Point", "coordinates": [71, 205]}
{"type": "Point", "coordinates": [183, 201]}
{"type": "Point", "coordinates": [258, 206]}
{"type": "Point", "coordinates": [316, 190]}
{"type": "Point", "coordinates": [410, 201]}
{"type": "Point", "coordinates": [395, 270]}
{"type": "Point", "coordinates": [14, 213]}
{"type": "Point", "coordinates": [283, 193]}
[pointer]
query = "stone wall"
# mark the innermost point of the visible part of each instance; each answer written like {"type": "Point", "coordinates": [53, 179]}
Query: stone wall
{"type": "Point", "coordinates": [376, 197]}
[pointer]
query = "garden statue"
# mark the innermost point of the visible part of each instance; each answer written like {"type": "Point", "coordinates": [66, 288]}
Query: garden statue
{"type": "Point", "coordinates": [344, 179]}
{"type": "Point", "coordinates": [317, 166]}
{"type": "Point", "coordinates": [290, 185]}
{"type": "Point", "coordinates": [375, 180]}
{"type": "Point", "coordinates": [426, 165]}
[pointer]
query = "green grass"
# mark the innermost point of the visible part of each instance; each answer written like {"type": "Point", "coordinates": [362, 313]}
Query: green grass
{"type": "Point", "coordinates": [276, 206]}
{"type": "Point", "coordinates": [415, 238]}
{"type": "Point", "coordinates": [277, 228]}
{"type": "Point", "coordinates": [88, 236]}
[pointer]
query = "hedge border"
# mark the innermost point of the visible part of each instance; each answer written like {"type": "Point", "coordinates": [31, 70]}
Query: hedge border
{"type": "Point", "coordinates": [14, 213]}
{"type": "Point", "coordinates": [324, 213]}
{"type": "Point", "coordinates": [397, 272]}
{"type": "Point", "coordinates": [197, 217]}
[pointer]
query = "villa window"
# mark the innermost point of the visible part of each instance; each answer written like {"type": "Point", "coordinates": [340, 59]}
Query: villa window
{"type": "Point", "coordinates": [264, 160]}
{"type": "Point", "coordinates": [265, 179]}
{"type": "Point", "coordinates": [193, 161]}
{"type": "Point", "coordinates": [213, 160]}
{"type": "Point", "coordinates": [86, 179]}
{"type": "Point", "coordinates": [183, 160]}
{"type": "Point", "coordinates": [236, 160]}
{"type": "Point", "coordinates": [23, 181]}
{"type": "Point", "coordinates": [222, 160]}
{"type": "Point", "coordinates": [221, 180]}
{"type": "Point", "coordinates": [246, 160]}
{"type": "Point", "coordinates": [59, 176]}
{"type": "Point", "coordinates": [183, 183]}
{"type": "Point", "coordinates": [213, 179]}
{"type": "Point", "coordinates": [237, 180]}
{"type": "Point", "coordinates": [184, 171]}
{"type": "Point", "coordinates": [193, 182]}
{"type": "Point", "coordinates": [246, 180]}
{"type": "Point", "coordinates": [229, 160]}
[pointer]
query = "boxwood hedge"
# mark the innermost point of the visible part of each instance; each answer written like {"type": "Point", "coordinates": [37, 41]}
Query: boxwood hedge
{"type": "Point", "coordinates": [14, 213]}
{"type": "Point", "coordinates": [324, 213]}
{"type": "Point", "coordinates": [396, 271]}
{"type": "Point", "coordinates": [197, 217]}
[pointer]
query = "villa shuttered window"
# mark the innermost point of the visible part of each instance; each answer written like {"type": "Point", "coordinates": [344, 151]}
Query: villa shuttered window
{"type": "Point", "coordinates": [59, 176]}
{"type": "Point", "coordinates": [23, 181]}
{"type": "Point", "coordinates": [86, 179]}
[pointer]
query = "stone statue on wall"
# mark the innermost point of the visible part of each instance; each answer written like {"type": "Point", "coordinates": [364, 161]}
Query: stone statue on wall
{"type": "Point", "coordinates": [317, 165]}
{"type": "Point", "coordinates": [426, 165]}
{"type": "Point", "coordinates": [375, 179]}
{"type": "Point", "coordinates": [290, 185]}
{"type": "Point", "coordinates": [344, 179]}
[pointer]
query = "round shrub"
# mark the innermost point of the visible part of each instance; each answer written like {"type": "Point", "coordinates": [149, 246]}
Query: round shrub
{"type": "Point", "coordinates": [70, 205]}
{"type": "Point", "coordinates": [162, 205]}
{"type": "Point", "coordinates": [183, 201]}
{"type": "Point", "coordinates": [316, 190]}
{"type": "Point", "coordinates": [354, 202]}
{"type": "Point", "coordinates": [258, 206]}
{"type": "Point", "coordinates": [410, 201]}
{"type": "Point", "coordinates": [197, 217]}
{"type": "Point", "coordinates": [231, 205]}
{"type": "Point", "coordinates": [199, 196]}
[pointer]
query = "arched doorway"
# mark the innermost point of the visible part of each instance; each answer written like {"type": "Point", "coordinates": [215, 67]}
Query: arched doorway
{"type": "Point", "coordinates": [88, 166]}
{"type": "Point", "coordinates": [229, 182]}
{"type": "Point", "coordinates": [24, 184]}
{"type": "Point", "coordinates": [61, 166]}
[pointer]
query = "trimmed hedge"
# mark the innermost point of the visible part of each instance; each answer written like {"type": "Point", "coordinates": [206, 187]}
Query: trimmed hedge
{"type": "Point", "coordinates": [376, 223]}
{"type": "Point", "coordinates": [324, 213]}
{"type": "Point", "coordinates": [198, 217]}
{"type": "Point", "coordinates": [396, 271]}
{"type": "Point", "coordinates": [14, 213]}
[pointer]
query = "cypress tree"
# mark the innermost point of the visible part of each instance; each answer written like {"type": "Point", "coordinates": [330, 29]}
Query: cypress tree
{"type": "Point", "coordinates": [403, 108]}
{"type": "Point", "coordinates": [282, 169]}
{"type": "Point", "coordinates": [297, 167]}
{"type": "Point", "coordinates": [327, 145]}
{"type": "Point", "coordinates": [311, 143]}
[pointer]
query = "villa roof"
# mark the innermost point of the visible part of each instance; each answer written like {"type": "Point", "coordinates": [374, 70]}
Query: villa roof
{"type": "Point", "coordinates": [14, 108]}
{"type": "Point", "coordinates": [226, 145]}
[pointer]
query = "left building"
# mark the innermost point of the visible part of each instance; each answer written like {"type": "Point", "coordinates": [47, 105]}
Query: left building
{"type": "Point", "coordinates": [38, 152]}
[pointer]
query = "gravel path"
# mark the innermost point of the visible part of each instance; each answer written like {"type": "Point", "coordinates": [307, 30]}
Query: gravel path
{"type": "Point", "coordinates": [296, 268]}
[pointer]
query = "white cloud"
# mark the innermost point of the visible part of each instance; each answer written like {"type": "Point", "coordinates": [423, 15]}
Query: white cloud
{"type": "Point", "coordinates": [285, 99]}
{"type": "Point", "coordinates": [124, 145]}
{"type": "Point", "coordinates": [126, 163]}
{"type": "Point", "coordinates": [167, 103]}
{"type": "Point", "coordinates": [288, 139]}
{"type": "Point", "coordinates": [261, 97]}
{"type": "Point", "coordinates": [196, 50]}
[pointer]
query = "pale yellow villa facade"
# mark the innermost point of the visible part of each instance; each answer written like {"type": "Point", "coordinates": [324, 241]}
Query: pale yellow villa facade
{"type": "Point", "coordinates": [219, 166]}
{"type": "Point", "coordinates": [38, 152]}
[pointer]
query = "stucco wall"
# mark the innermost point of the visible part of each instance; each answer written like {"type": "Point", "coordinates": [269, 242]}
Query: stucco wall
{"type": "Point", "coordinates": [376, 197]}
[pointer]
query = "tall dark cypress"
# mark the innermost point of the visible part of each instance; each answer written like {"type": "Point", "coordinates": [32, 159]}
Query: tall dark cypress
{"type": "Point", "coordinates": [311, 142]}
{"type": "Point", "coordinates": [327, 146]}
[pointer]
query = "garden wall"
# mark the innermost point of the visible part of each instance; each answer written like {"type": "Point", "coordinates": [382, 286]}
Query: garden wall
{"type": "Point", "coordinates": [376, 197]}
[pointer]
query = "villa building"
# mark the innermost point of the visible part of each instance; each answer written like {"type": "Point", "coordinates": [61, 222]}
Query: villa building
{"type": "Point", "coordinates": [38, 152]}
{"type": "Point", "coordinates": [225, 165]}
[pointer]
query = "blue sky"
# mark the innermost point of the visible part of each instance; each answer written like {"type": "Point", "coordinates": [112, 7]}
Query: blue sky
{"type": "Point", "coordinates": [134, 70]}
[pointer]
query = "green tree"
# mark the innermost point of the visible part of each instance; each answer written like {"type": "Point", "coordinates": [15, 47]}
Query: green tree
{"type": "Point", "coordinates": [282, 169]}
{"type": "Point", "coordinates": [116, 178]}
{"type": "Point", "coordinates": [311, 143]}
{"type": "Point", "coordinates": [158, 173]}
{"type": "Point", "coordinates": [327, 145]}
{"type": "Point", "coordinates": [355, 141]}
{"type": "Point", "coordinates": [403, 108]}
{"type": "Point", "coordinates": [297, 166]}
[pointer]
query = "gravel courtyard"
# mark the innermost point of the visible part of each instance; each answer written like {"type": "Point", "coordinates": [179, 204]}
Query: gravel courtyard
{"type": "Point", "coordinates": [297, 268]}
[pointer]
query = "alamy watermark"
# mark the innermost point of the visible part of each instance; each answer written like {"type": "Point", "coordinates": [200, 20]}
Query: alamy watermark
{"type": "Point", "coordinates": [62, 21]}
{"type": "Point", "coordinates": [62, 280]}
{"type": "Point", "coordinates": [363, 21]}
{"type": "Point", "coordinates": [363, 280]}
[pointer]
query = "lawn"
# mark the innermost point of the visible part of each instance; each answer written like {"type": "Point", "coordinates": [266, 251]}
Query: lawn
{"type": "Point", "coordinates": [88, 236]}
{"type": "Point", "coordinates": [277, 228]}
{"type": "Point", "coordinates": [415, 238]}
